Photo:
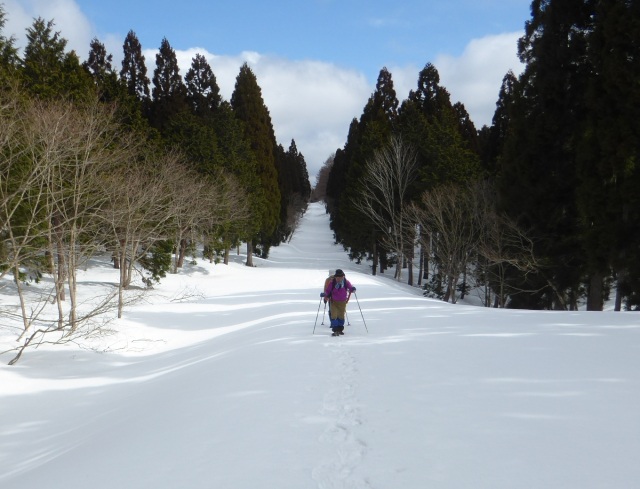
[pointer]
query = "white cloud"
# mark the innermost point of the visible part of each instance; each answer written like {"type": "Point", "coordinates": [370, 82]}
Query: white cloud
{"type": "Point", "coordinates": [310, 101]}
{"type": "Point", "coordinates": [474, 78]}
{"type": "Point", "coordinates": [69, 20]}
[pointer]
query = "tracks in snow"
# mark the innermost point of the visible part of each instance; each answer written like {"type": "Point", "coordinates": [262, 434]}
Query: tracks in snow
{"type": "Point", "coordinates": [342, 448]}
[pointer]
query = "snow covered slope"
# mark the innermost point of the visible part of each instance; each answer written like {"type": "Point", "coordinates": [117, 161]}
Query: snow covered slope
{"type": "Point", "coordinates": [216, 381]}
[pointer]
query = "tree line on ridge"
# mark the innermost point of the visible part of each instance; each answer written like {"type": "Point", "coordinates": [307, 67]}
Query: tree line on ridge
{"type": "Point", "coordinates": [541, 210]}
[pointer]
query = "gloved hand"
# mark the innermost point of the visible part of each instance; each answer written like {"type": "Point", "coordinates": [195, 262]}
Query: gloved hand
{"type": "Point", "coordinates": [322, 294]}
{"type": "Point", "coordinates": [353, 289]}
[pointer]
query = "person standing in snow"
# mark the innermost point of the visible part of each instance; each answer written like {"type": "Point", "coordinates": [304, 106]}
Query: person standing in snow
{"type": "Point", "coordinates": [338, 292]}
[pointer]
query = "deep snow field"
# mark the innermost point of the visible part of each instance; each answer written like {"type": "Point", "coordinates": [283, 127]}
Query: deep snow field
{"type": "Point", "coordinates": [216, 380]}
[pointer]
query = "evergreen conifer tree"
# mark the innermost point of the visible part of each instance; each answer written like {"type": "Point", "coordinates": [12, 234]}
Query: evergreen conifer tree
{"type": "Point", "coordinates": [169, 94]}
{"type": "Point", "coordinates": [9, 59]}
{"type": "Point", "coordinates": [293, 181]}
{"type": "Point", "coordinates": [538, 171]}
{"type": "Point", "coordinates": [48, 71]}
{"type": "Point", "coordinates": [99, 65]}
{"type": "Point", "coordinates": [99, 61]}
{"type": "Point", "coordinates": [608, 170]}
{"type": "Point", "coordinates": [203, 92]}
{"type": "Point", "coordinates": [366, 136]}
{"type": "Point", "coordinates": [134, 69]}
{"type": "Point", "coordinates": [249, 108]}
{"type": "Point", "coordinates": [429, 122]}
{"type": "Point", "coordinates": [237, 158]}
{"type": "Point", "coordinates": [493, 146]}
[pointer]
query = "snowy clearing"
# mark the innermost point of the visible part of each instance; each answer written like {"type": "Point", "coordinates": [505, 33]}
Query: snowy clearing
{"type": "Point", "coordinates": [216, 381]}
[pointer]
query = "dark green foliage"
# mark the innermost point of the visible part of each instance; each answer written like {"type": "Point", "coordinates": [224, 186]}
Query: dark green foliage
{"type": "Point", "coordinates": [493, 138]}
{"type": "Point", "coordinates": [249, 108]}
{"type": "Point", "coordinates": [196, 138]}
{"type": "Point", "coordinates": [9, 59]}
{"type": "Point", "coordinates": [564, 143]}
{"type": "Point", "coordinates": [99, 65]}
{"type": "Point", "coordinates": [83, 171]}
{"type": "Point", "coordinates": [237, 158]}
{"type": "Point", "coordinates": [538, 172]}
{"type": "Point", "coordinates": [157, 261]}
{"type": "Point", "coordinates": [47, 70]}
{"type": "Point", "coordinates": [99, 62]}
{"type": "Point", "coordinates": [134, 69]}
{"type": "Point", "coordinates": [466, 127]}
{"type": "Point", "coordinates": [607, 164]}
{"type": "Point", "coordinates": [447, 147]}
{"type": "Point", "coordinates": [169, 94]}
{"type": "Point", "coordinates": [43, 59]}
{"type": "Point", "coordinates": [366, 136]}
{"type": "Point", "coordinates": [203, 92]}
{"type": "Point", "coordinates": [429, 122]}
{"type": "Point", "coordinates": [295, 189]}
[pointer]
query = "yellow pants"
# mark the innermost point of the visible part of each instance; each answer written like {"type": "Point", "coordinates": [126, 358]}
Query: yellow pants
{"type": "Point", "coordinates": [338, 310]}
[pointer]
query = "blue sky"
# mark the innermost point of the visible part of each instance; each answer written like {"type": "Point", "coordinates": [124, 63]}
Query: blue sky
{"type": "Point", "coordinates": [316, 60]}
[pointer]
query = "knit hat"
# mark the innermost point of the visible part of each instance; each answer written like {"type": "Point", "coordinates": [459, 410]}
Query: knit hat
{"type": "Point", "coordinates": [339, 273]}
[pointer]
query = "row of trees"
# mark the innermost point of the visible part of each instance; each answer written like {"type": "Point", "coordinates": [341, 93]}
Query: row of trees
{"type": "Point", "coordinates": [93, 161]}
{"type": "Point", "coordinates": [560, 223]}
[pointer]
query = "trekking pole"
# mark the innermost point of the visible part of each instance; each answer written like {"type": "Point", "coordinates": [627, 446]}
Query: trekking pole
{"type": "Point", "coordinates": [324, 313]}
{"type": "Point", "coordinates": [318, 313]}
{"type": "Point", "coordinates": [358, 302]}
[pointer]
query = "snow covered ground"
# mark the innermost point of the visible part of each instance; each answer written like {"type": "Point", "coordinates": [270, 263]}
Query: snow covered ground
{"type": "Point", "coordinates": [216, 380]}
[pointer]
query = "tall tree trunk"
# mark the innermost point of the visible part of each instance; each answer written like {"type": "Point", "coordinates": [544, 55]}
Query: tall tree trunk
{"type": "Point", "coordinates": [121, 292]}
{"type": "Point", "coordinates": [72, 267]}
{"type": "Point", "coordinates": [464, 283]}
{"type": "Point", "coordinates": [375, 257]}
{"type": "Point", "coordinates": [60, 272]}
{"type": "Point", "coordinates": [620, 280]}
{"type": "Point", "coordinates": [249, 262]}
{"type": "Point", "coordinates": [447, 294]}
{"type": "Point", "coordinates": [409, 256]}
{"type": "Point", "coordinates": [452, 288]}
{"type": "Point", "coordinates": [398, 274]}
{"type": "Point", "coordinates": [182, 253]}
{"type": "Point", "coordinates": [594, 297]}
{"type": "Point", "coordinates": [23, 307]}
{"type": "Point", "coordinates": [57, 287]}
{"type": "Point", "coordinates": [425, 263]}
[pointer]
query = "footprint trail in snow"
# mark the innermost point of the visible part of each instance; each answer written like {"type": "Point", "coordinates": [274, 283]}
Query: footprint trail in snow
{"type": "Point", "coordinates": [342, 447]}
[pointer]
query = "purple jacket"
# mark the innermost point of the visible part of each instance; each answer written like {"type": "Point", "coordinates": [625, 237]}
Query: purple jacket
{"type": "Point", "coordinates": [338, 292]}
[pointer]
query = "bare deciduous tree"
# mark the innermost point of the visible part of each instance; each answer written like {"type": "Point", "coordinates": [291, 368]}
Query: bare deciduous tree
{"type": "Point", "coordinates": [447, 211]}
{"type": "Point", "coordinates": [386, 182]}
{"type": "Point", "coordinates": [502, 244]}
{"type": "Point", "coordinates": [138, 211]}
{"type": "Point", "coordinates": [50, 204]}
{"type": "Point", "coordinates": [72, 147]}
{"type": "Point", "coordinates": [228, 211]}
{"type": "Point", "coordinates": [464, 226]}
